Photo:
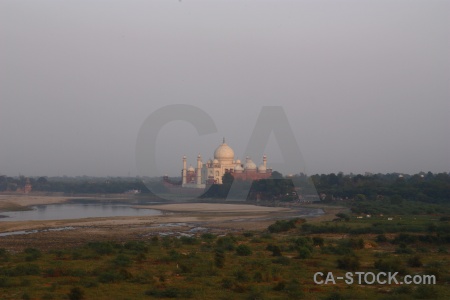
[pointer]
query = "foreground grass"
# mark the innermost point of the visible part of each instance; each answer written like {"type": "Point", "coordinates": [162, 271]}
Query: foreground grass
{"type": "Point", "coordinates": [276, 264]}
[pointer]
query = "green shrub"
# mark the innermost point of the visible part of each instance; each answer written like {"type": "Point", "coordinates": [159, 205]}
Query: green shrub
{"type": "Point", "coordinates": [32, 254]}
{"type": "Point", "coordinates": [276, 250]}
{"type": "Point", "coordinates": [4, 255]}
{"type": "Point", "coordinates": [426, 292]}
{"type": "Point", "coordinates": [282, 260]}
{"type": "Point", "coordinates": [282, 226]}
{"type": "Point", "coordinates": [381, 238]}
{"type": "Point", "coordinates": [241, 275]}
{"type": "Point", "coordinates": [102, 248]}
{"type": "Point", "coordinates": [219, 258]}
{"type": "Point", "coordinates": [186, 240]}
{"type": "Point", "coordinates": [281, 285]}
{"type": "Point", "coordinates": [226, 243]}
{"type": "Point", "coordinates": [303, 252]}
{"type": "Point", "coordinates": [415, 261]}
{"type": "Point", "coordinates": [318, 241]}
{"type": "Point", "coordinates": [227, 283]}
{"type": "Point", "coordinates": [122, 261]}
{"type": "Point", "coordinates": [170, 292]}
{"type": "Point", "coordinates": [350, 263]}
{"type": "Point", "coordinates": [4, 282]}
{"type": "Point", "coordinates": [243, 250]}
{"type": "Point", "coordinates": [76, 293]}
{"type": "Point", "coordinates": [390, 265]}
{"type": "Point", "coordinates": [137, 246]}
{"type": "Point", "coordinates": [208, 236]}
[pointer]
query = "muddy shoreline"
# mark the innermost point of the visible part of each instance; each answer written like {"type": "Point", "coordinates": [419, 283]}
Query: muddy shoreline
{"type": "Point", "coordinates": [177, 219]}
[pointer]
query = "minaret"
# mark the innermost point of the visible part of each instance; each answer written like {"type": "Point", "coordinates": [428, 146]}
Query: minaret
{"type": "Point", "coordinates": [265, 161]}
{"type": "Point", "coordinates": [184, 171]}
{"type": "Point", "coordinates": [199, 169]}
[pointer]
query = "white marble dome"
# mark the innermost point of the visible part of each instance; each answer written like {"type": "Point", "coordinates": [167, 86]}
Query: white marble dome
{"type": "Point", "coordinates": [238, 169]}
{"type": "Point", "coordinates": [262, 169]}
{"type": "Point", "coordinates": [224, 153]}
{"type": "Point", "coordinates": [191, 169]}
{"type": "Point", "coordinates": [250, 165]}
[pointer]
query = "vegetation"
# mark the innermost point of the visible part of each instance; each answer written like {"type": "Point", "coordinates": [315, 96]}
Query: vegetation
{"type": "Point", "coordinates": [364, 193]}
{"type": "Point", "coordinates": [275, 264]}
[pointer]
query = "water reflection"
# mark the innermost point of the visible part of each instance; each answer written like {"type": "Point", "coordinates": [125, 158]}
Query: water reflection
{"type": "Point", "coordinates": [76, 211]}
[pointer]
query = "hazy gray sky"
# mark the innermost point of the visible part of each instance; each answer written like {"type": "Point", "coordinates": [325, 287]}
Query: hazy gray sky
{"type": "Point", "coordinates": [365, 84]}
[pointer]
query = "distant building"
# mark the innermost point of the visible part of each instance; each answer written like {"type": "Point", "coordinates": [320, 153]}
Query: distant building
{"type": "Point", "coordinates": [28, 187]}
{"type": "Point", "coordinates": [224, 162]}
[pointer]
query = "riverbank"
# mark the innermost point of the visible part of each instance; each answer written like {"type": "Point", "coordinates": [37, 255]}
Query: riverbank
{"type": "Point", "coordinates": [177, 219]}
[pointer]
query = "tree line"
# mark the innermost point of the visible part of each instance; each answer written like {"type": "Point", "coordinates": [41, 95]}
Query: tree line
{"type": "Point", "coordinates": [393, 187]}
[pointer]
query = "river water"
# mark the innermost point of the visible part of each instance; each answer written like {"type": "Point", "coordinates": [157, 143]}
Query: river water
{"type": "Point", "coordinates": [76, 211]}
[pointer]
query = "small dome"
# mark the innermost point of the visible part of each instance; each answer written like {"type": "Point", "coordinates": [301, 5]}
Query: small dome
{"type": "Point", "coordinates": [215, 161]}
{"type": "Point", "coordinates": [224, 152]}
{"type": "Point", "coordinates": [238, 161]}
{"type": "Point", "coordinates": [238, 168]}
{"type": "Point", "coordinates": [262, 169]}
{"type": "Point", "coordinates": [191, 169]}
{"type": "Point", "coordinates": [250, 165]}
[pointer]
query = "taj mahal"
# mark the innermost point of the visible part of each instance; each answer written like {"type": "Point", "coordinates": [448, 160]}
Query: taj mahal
{"type": "Point", "coordinates": [224, 162]}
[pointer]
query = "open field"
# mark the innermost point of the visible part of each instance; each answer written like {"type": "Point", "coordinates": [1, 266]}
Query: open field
{"type": "Point", "coordinates": [224, 251]}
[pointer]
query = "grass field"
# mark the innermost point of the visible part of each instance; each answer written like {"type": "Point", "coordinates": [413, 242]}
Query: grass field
{"type": "Point", "coordinates": [278, 263]}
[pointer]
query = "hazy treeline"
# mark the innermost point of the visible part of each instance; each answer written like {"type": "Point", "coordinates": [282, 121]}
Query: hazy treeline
{"type": "Point", "coordinates": [74, 185]}
{"type": "Point", "coordinates": [424, 187]}
{"type": "Point", "coordinates": [393, 187]}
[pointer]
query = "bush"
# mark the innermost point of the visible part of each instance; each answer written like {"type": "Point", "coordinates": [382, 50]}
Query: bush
{"type": "Point", "coordinates": [415, 261]}
{"type": "Point", "coordinates": [248, 234]}
{"type": "Point", "coordinates": [101, 248]}
{"type": "Point", "coordinates": [390, 265]}
{"type": "Point", "coordinates": [136, 246]}
{"type": "Point", "coordinates": [276, 251]}
{"type": "Point", "coordinates": [32, 254]}
{"type": "Point", "coordinates": [258, 277]}
{"type": "Point", "coordinates": [170, 292]}
{"type": "Point", "coordinates": [186, 240]}
{"type": "Point", "coordinates": [279, 286]}
{"type": "Point", "coordinates": [4, 254]}
{"type": "Point", "coordinates": [227, 283]}
{"type": "Point", "coordinates": [241, 275]}
{"type": "Point", "coordinates": [343, 216]}
{"type": "Point", "coordinates": [381, 238]}
{"type": "Point", "coordinates": [243, 250]}
{"type": "Point", "coordinates": [403, 249]}
{"type": "Point", "coordinates": [304, 252]}
{"type": "Point", "coordinates": [350, 263]}
{"type": "Point", "coordinates": [4, 282]}
{"type": "Point", "coordinates": [22, 270]}
{"type": "Point", "coordinates": [76, 293]}
{"type": "Point", "coordinates": [208, 236]}
{"type": "Point", "coordinates": [318, 241]}
{"type": "Point", "coordinates": [109, 277]}
{"type": "Point", "coordinates": [335, 296]}
{"type": "Point", "coordinates": [226, 243]}
{"type": "Point", "coordinates": [219, 258]}
{"type": "Point", "coordinates": [426, 292]}
{"type": "Point", "coordinates": [282, 260]}
{"type": "Point", "coordinates": [282, 226]}
{"type": "Point", "coordinates": [293, 290]}
{"type": "Point", "coordinates": [122, 261]}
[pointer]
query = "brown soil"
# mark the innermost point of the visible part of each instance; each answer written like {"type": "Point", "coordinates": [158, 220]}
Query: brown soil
{"type": "Point", "coordinates": [191, 218]}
